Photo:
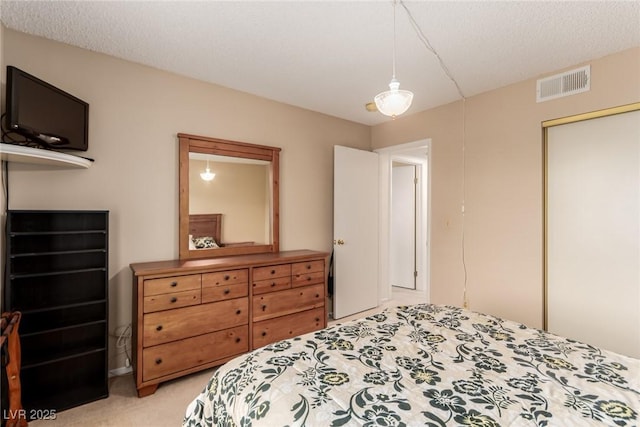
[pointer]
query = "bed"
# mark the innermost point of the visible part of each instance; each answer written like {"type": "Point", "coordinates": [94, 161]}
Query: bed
{"type": "Point", "coordinates": [423, 365]}
{"type": "Point", "coordinates": [205, 231]}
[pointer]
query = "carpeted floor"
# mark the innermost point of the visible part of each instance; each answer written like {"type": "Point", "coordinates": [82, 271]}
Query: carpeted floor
{"type": "Point", "coordinates": [124, 409]}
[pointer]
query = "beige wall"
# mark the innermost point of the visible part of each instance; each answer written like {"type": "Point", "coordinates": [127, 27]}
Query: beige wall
{"type": "Point", "coordinates": [135, 114]}
{"type": "Point", "coordinates": [504, 185]}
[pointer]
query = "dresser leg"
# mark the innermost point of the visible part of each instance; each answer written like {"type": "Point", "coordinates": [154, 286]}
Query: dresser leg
{"type": "Point", "coordinates": [148, 390]}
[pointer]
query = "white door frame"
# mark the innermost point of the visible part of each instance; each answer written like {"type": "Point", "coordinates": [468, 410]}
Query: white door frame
{"type": "Point", "coordinates": [418, 152]}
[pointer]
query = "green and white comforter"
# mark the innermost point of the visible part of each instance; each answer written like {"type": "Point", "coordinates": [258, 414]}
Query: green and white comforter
{"type": "Point", "coordinates": [423, 365]}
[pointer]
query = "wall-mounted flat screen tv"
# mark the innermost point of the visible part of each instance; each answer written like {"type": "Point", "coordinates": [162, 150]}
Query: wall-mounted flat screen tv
{"type": "Point", "coordinates": [45, 114]}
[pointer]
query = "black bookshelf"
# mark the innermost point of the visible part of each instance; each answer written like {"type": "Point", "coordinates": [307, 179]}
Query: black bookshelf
{"type": "Point", "coordinates": [57, 276]}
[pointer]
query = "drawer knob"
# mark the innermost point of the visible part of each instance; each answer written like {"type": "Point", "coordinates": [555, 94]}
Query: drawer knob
{"type": "Point", "coordinates": [273, 284]}
{"type": "Point", "coordinates": [308, 278]}
{"type": "Point", "coordinates": [237, 339]}
{"type": "Point", "coordinates": [174, 299]}
{"type": "Point", "coordinates": [226, 291]}
{"type": "Point", "coordinates": [264, 307]}
{"type": "Point", "coordinates": [264, 334]}
{"type": "Point", "coordinates": [158, 361]}
{"type": "Point", "coordinates": [159, 328]}
{"type": "Point", "coordinates": [226, 277]}
{"type": "Point", "coordinates": [238, 311]}
{"type": "Point", "coordinates": [273, 272]}
{"type": "Point", "coordinates": [174, 284]}
{"type": "Point", "coordinates": [317, 295]}
{"type": "Point", "coordinates": [308, 266]}
{"type": "Point", "coordinates": [317, 319]}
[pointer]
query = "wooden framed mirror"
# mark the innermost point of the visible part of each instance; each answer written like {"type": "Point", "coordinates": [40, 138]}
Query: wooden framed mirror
{"type": "Point", "coordinates": [236, 211]}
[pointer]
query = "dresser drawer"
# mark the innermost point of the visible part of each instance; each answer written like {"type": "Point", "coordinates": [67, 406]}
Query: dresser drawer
{"type": "Point", "coordinates": [275, 284]}
{"type": "Point", "coordinates": [211, 292]}
{"type": "Point", "coordinates": [305, 279]}
{"type": "Point", "coordinates": [172, 300]}
{"type": "Point", "coordinates": [185, 354]}
{"type": "Point", "coordinates": [264, 273]}
{"type": "Point", "coordinates": [290, 301]}
{"type": "Point", "coordinates": [171, 284]}
{"type": "Point", "coordinates": [171, 325]}
{"type": "Point", "coordinates": [281, 328]}
{"type": "Point", "coordinates": [307, 267]}
{"type": "Point", "coordinates": [225, 278]}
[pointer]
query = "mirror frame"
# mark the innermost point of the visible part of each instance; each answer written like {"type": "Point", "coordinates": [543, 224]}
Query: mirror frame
{"type": "Point", "coordinates": [222, 147]}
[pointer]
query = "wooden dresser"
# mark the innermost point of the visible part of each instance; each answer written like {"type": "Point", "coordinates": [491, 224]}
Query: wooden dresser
{"type": "Point", "coordinates": [190, 315]}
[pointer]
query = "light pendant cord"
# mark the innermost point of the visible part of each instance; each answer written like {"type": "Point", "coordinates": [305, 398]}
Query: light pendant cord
{"type": "Point", "coordinates": [423, 38]}
{"type": "Point", "coordinates": [393, 73]}
{"type": "Point", "coordinates": [430, 48]}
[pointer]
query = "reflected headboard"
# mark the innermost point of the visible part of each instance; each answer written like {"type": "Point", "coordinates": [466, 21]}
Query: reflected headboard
{"type": "Point", "coordinates": [206, 225]}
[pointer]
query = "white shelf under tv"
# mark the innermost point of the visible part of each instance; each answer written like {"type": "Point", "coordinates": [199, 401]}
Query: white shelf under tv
{"type": "Point", "coordinates": [22, 154]}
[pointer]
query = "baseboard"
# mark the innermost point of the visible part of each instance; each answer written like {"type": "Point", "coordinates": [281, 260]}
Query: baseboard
{"type": "Point", "coordinates": [124, 370]}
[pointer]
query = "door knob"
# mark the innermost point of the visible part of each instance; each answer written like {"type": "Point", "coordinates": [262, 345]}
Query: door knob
{"type": "Point", "coordinates": [339, 242]}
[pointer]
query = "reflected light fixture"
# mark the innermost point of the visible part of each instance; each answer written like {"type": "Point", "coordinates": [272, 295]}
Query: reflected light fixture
{"type": "Point", "coordinates": [207, 175]}
{"type": "Point", "coordinates": [394, 101]}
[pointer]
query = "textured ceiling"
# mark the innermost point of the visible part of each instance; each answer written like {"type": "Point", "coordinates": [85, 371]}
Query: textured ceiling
{"type": "Point", "coordinates": [334, 56]}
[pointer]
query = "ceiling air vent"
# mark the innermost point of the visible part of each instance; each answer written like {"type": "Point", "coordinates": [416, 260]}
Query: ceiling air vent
{"type": "Point", "coordinates": [564, 84]}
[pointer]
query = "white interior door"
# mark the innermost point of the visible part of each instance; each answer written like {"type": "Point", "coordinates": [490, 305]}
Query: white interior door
{"type": "Point", "coordinates": [355, 231]}
{"type": "Point", "coordinates": [593, 232]}
{"type": "Point", "coordinates": [402, 246]}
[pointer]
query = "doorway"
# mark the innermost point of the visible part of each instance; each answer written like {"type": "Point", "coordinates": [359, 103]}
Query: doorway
{"type": "Point", "coordinates": [413, 243]}
{"type": "Point", "coordinates": [402, 238]}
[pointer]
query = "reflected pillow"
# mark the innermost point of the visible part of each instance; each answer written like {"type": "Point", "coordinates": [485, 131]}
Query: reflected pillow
{"type": "Point", "coordinates": [204, 242]}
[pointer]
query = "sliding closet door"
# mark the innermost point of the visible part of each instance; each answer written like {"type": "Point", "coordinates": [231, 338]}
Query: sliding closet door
{"type": "Point", "coordinates": [593, 231]}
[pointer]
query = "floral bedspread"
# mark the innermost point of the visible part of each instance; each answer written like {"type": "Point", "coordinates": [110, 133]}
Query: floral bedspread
{"type": "Point", "coordinates": [423, 365]}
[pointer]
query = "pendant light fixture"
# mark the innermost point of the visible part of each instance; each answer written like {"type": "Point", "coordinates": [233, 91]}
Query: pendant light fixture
{"type": "Point", "coordinates": [207, 175]}
{"type": "Point", "coordinates": [394, 101]}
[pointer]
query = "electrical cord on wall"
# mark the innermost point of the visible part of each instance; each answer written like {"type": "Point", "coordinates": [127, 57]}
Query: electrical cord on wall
{"type": "Point", "coordinates": [465, 301]}
{"type": "Point", "coordinates": [5, 184]}
{"type": "Point", "coordinates": [423, 38]}
{"type": "Point", "coordinates": [122, 342]}
{"type": "Point", "coordinates": [5, 168]}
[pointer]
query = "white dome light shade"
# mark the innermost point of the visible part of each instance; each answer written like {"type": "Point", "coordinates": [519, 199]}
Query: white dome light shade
{"type": "Point", "coordinates": [207, 175]}
{"type": "Point", "coordinates": [394, 101]}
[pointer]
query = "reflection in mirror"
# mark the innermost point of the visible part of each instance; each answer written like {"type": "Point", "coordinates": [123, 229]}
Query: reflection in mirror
{"type": "Point", "coordinates": [239, 191]}
{"type": "Point", "coordinates": [233, 210]}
